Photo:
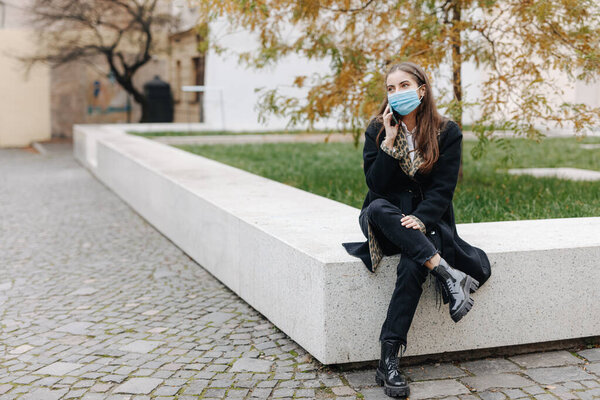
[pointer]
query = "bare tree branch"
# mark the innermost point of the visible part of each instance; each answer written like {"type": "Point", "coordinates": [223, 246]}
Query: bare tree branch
{"type": "Point", "coordinates": [71, 30]}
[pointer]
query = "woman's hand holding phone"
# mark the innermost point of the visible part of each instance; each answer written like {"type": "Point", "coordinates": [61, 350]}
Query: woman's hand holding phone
{"type": "Point", "coordinates": [390, 131]}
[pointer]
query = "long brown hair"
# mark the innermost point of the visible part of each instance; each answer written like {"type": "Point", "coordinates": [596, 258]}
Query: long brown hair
{"type": "Point", "coordinates": [429, 120]}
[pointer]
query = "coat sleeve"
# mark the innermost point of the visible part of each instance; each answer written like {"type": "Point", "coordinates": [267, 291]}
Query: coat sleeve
{"type": "Point", "coordinates": [437, 197]}
{"type": "Point", "coordinates": [380, 167]}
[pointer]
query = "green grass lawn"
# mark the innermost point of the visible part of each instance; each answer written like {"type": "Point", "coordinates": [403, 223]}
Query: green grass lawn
{"type": "Point", "coordinates": [486, 192]}
{"type": "Point", "coordinates": [219, 133]}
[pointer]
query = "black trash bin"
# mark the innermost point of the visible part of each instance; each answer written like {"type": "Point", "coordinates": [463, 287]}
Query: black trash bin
{"type": "Point", "coordinates": [160, 100]}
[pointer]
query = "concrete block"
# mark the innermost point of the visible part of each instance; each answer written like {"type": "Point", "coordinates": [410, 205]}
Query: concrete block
{"type": "Point", "coordinates": [279, 248]}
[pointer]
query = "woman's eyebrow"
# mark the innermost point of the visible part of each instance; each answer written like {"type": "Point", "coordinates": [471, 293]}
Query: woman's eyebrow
{"type": "Point", "coordinates": [389, 84]}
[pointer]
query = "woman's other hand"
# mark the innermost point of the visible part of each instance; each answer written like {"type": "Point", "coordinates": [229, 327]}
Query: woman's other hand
{"type": "Point", "coordinates": [390, 131]}
{"type": "Point", "coordinates": [408, 221]}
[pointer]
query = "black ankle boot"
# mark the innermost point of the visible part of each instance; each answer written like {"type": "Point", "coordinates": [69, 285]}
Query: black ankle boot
{"type": "Point", "coordinates": [457, 287]}
{"type": "Point", "coordinates": [387, 374]}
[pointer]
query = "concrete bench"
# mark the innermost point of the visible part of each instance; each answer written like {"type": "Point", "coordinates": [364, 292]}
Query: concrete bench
{"type": "Point", "coordinates": [279, 248]}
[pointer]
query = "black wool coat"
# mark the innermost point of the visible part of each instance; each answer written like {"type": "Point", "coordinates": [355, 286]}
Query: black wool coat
{"type": "Point", "coordinates": [426, 196]}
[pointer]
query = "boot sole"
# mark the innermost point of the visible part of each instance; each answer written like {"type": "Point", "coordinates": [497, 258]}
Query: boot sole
{"type": "Point", "coordinates": [392, 391]}
{"type": "Point", "coordinates": [472, 285]}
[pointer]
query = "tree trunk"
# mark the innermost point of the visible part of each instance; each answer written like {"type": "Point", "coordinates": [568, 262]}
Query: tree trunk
{"type": "Point", "coordinates": [145, 112]}
{"type": "Point", "coordinates": [125, 79]}
{"type": "Point", "coordinates": [456, 70]}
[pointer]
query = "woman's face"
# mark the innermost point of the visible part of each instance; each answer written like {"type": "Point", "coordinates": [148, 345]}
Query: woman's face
{"type": "Point", "coordinates": [400, 81]}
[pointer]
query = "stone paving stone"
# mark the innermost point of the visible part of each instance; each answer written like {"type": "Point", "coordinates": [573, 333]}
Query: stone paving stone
{"type": "Point", "coordinates": [290, 384]}
{"type": "Point", "coordinates": [433, 371]}
{"type": "Point", "coordinates": [562, 392]}
{"type": "Point", "coordinates": [490, 366]}
{"type": "Point", "coordinates": [196, 386]}
{"type": "Point", "coordinates": [549, 359]}
{"type": "Point", "coordinates": [138, 385]}
{"type": "Point", "coordinates": [331, 381]}
{"type": "Point", "coordinates": [545, 396]}
{"type": "Point", "coordinates": [376, 394]}
{"type": "Point", "coordinates": [505, 380]}
{"type": "Point", "coordinates": [534, 389]}
{"type": "Point", "coordinates": [86, 383]}
{"type": "Point", "coordinates": [514, 393]}
{"type": "Point", "coordinates": [262, 393]}
{"type": "Point", "coordinates": [75, 394]}
{"type": "Point", "coordinates": [214, 393]}
{"type": "Point", "coordinates": [589, 394]}
{"type": "Point", "coordinates": [591, 355]}
{"type": "Point", "coordinates": [84, 291]}
{"type": "Point", "coordinates": [237, 393]}
{"type": "Point", "coordinates": [436, 388]}
{"type": "Point", "coordinates": [305, 393]}
{"type": "Point", "coordinates": [166, 391]}
{"type": "Point", "coordinates": [284, 392]}
{"type": "Point", "coordinates": [216, 318]}
{"type": "Point", "coordinates": [58, 368]}
{"type": "Point", "coordinates": [75, 328]}
{"type": "Point", "coordinates": [343, 391]}
{"type": "Point", "coordinates": [251, 364]}
{"type": "Point", "coordinates": [590, 384]}
{"type": "Point", "coordinates": [44, 394]}
{"type": "Point", "coordinates": [359, 379]}
{"type": "Point", "coordinates": [113, 378]}
{"type": "Point", "coordinates": [557, 374]}
{"type": "Point", "coordinates": [94, 396]}
{"type": "Point", "coordinates": [101, 387]}
{"type": "Point", "coordinates": [488, 395]}
{"type": "Point", "coordinates": [593, 368]}
{"type": "Point", "coordinates": [5, 388]}
{"type": "Point", "coordinates": [24, 380]}
{"type": "Point", "coordinates": [21, 349]}
{"type": "Point", "coordinates": [268, 384]}
{"type": "Point", "coordinates": [141, 346]}
{"type": "Point", "coordinates": [573, 385]}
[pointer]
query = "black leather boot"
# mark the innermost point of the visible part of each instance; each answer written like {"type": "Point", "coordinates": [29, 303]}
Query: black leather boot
{"type": "Point", "coordinates": [387, 374]}
{"type": "Point", "coordinates": [457, 286]}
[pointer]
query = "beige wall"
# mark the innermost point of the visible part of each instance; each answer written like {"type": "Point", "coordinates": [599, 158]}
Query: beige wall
{"type": "Point", "coordinates": [84, 94]}
{"type": "Point", "coordinates": [182, 71]}
{"type": "Point", "coordinates": [25, 100]}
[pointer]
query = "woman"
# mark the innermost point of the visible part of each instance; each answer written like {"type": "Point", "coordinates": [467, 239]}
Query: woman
{"type": "Point", "coordinates": [411, 161]}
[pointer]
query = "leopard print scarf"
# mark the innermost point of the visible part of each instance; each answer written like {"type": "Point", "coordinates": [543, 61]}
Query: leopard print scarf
{"type": "Point", "coordinates": [401, 149]}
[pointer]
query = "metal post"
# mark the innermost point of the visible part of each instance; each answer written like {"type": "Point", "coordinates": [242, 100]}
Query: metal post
{"type": "Point", "coordinates": [203, 89]}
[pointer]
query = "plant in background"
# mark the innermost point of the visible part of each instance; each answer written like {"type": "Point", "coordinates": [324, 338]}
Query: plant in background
{"type": "Point", "coordinates": [530, 50]}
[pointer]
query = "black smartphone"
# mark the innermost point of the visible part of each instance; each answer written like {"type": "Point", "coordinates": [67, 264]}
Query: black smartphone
{"type": "Point", "coordinates": [395, 118]}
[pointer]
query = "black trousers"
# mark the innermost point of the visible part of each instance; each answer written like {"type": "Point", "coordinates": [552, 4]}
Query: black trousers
{"type": "Point", "coordinates": [415, 248]}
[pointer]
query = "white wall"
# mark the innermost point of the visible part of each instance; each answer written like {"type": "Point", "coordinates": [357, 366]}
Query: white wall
{"type": "Point", "coordinates": [238, 83]}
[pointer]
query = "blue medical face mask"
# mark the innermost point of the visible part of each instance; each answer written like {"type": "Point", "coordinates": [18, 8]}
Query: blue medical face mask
{"type": "Point", "coordinates": [404, 102]}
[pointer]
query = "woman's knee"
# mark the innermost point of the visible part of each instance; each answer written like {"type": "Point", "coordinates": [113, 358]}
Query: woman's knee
{"type": "Point", "coordinates": [378, 208]}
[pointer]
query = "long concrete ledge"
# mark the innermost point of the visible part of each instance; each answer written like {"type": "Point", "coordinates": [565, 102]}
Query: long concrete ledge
{"type": "Point", "coordinates": [279, 248]}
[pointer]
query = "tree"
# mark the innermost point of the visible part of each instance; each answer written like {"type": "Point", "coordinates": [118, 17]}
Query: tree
{"type": "Point", "coordinates": [525, 45]}
{"type": "Point", "coordinates": [122, 32]}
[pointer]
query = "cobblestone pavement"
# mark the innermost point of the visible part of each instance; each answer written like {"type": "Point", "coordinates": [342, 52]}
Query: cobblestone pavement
{"type": "Point", "coordinates": [96, 304]}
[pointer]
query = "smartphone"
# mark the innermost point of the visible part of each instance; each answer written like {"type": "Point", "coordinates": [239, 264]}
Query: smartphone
{"type": "Point", "coordinates": [395, 118]}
